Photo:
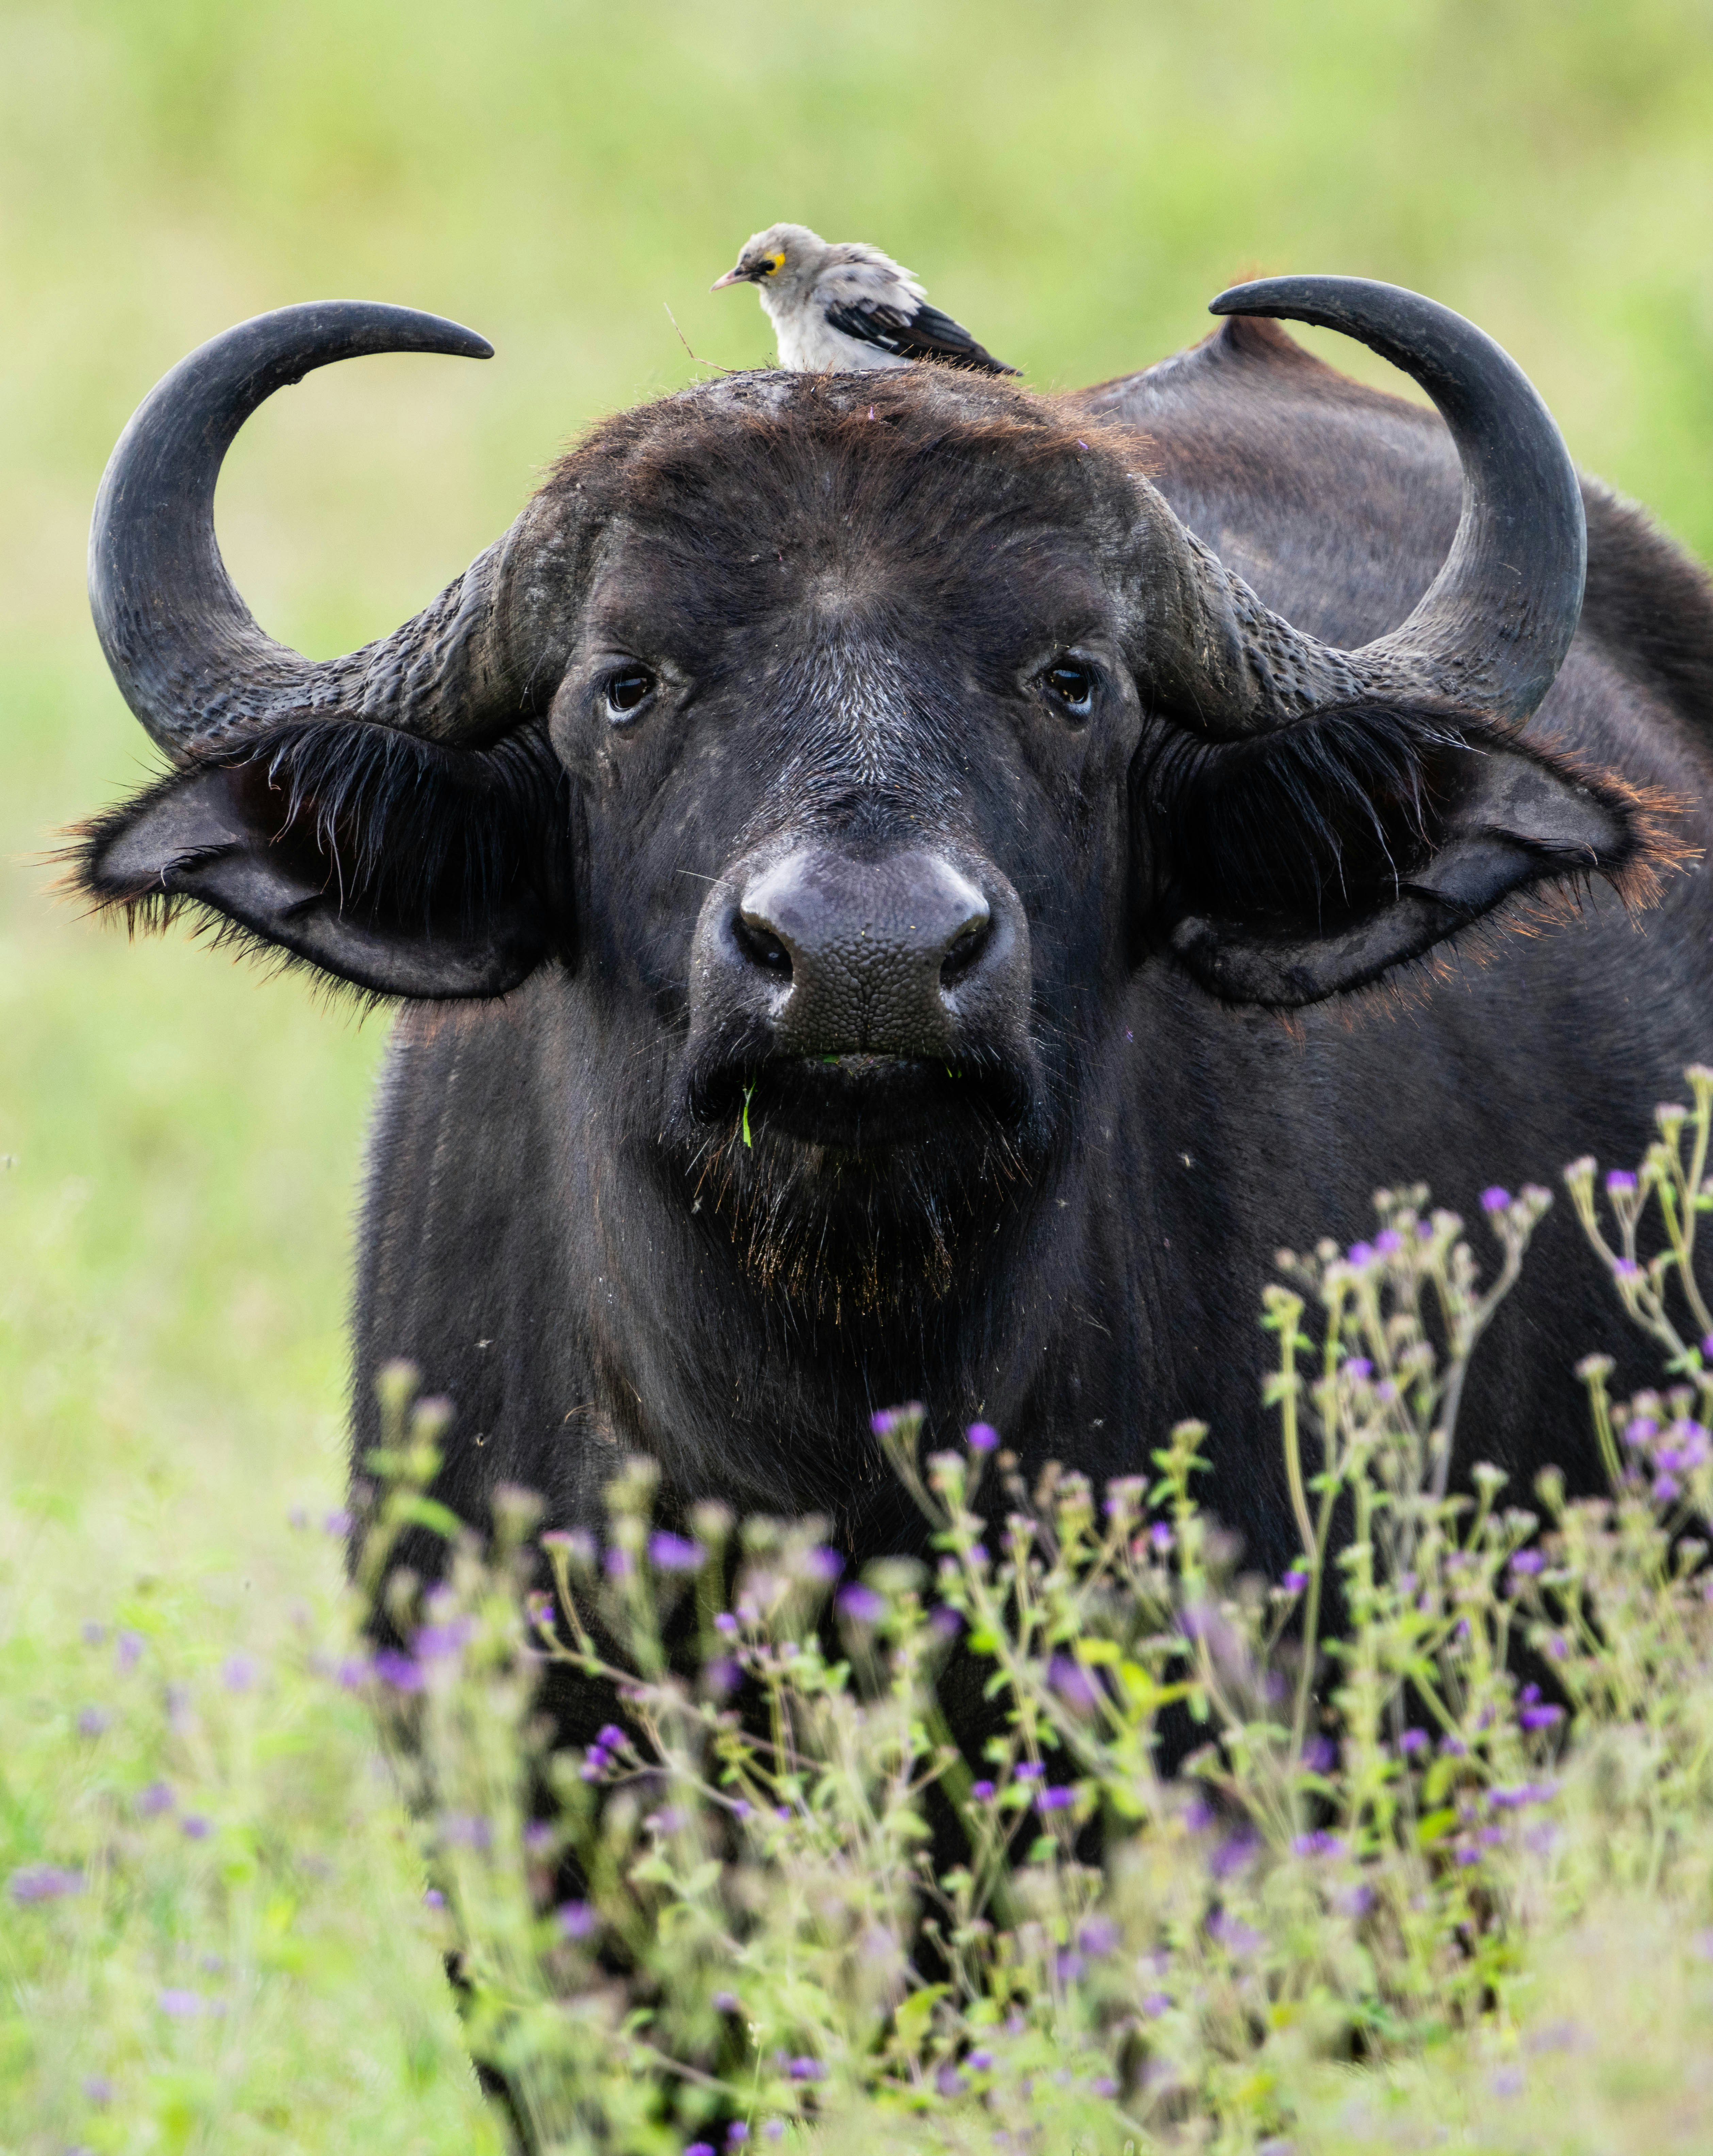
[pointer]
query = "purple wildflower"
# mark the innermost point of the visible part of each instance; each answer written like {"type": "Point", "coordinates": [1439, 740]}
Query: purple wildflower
{"type": "Point", "coordinates": [1097, 1936]}
{"type": "Point", "coordinates": [944, 1624]}
{"type": "Point", "coordinates": [576, 1919]}
{"type": "Point", "coordinates": [1361, 1254]}
{"type": "Point", "coordinates": [699, 2148]}
{"type": "Point", "coordinates": [1620, 1183]}
{"type": "Point", "coordinates": [1666, 1489]}
{"type": "Point", "coordinates": [1412, 1740]}
{"type": "Point", "coordinates": [862, 1605]}
{"type": "Point", "coordinates": [1626, 1268]}
{"type": "Point", "coordinates": [979, 2061]}
{"type": "Point", "coordinates": [195, 1826]}
{"type": "Point", "coordinates": [1161, 1536]}
{"type": "Point", "coordinates": [44, 1882]}
{"type": "Point", "coordinates": [1358, 1369]}
{"type": "Point", "coordinates": [157, 1797]}
{"type": "Point", "coordinates": [1540, 1717]}
{"type": "Point", "coordinates": [983, 1791]}
{"type": "Point", "coordinates": [336, 1523]}
{"type": "Point", "coordinates": [1528, 1561]}
{"type": "Point", "coordinates": [725, 2002]}
{"type": "Point", "coordinates": [1235, 1936]}
{"type": "Point", "coordinates": [1495, 1199]}
{"type": "Point", "coordinates": [1068, 1965]}
{"type": "Point", "coordinates": [1233, 1854]}
{"type": "Point", "coordinates": [127, 1651]}
{"type": "Point", "coordinates": [398, 1670]}
{"type": "Point", "coordinates": [669, 1552]}
{"type": "Point", "coordinates": [1073, 1682]}
{"type": "Point", "coordinates": [948, 2081]}
{"type": "Point", "coordinates": [1057, 1798]}
{"type": "Point", "coordinates": [1320, 1755]}
{"type": "Point", "coordinates": [238, 1672]}
{"type": "Point", "coordinates": [806, 2070]}
{"type": "Point", "coordinates": [1388, 1242]}
{"type": "Point", "coordinates": [725, 1623]}
{"type": "Point", "coordinates": [1029, 1770]}
{"type": "Point", "coordinates": [1295, 1581]}
{"type": "Point", "coordinates": [433, 1898]}
{"type": "Point", "coordinates": [982, 1437]}
{"type": "Point", "coordinates": [1155, 2003]}
{"type": "Point", "coordinates": [180, 2005]}
{"type": "Point", "coordinates": [736, 2135]}
{"type": "Point", "coordinates": [823, 1563]}
{"type": "Point", "coordinates": [1320, 1843]}
{"type": "Point", "coordinates": [93, 1722]}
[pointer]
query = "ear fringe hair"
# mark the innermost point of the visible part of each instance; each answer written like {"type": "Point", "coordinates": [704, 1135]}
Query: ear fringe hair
{"type": "Point", "coordinates": [400, 825]}
{"type": "Point", "coordinates": [1329, 815]}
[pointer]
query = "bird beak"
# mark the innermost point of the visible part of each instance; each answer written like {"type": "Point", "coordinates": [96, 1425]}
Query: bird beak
{"type": "Point", "coordinates": [731, 277]}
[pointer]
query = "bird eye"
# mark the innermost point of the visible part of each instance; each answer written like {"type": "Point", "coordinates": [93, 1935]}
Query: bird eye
{"type": "Point", "coordinates": [626, 690]}
{"type": "Point", "coordinates": [1072, 684]}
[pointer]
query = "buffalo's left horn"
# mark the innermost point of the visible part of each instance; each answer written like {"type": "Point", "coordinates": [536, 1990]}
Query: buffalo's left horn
{"type": "Point", "coordinates": [1491, 630]}
{"type": "Point", "coordinates": [186, 651]}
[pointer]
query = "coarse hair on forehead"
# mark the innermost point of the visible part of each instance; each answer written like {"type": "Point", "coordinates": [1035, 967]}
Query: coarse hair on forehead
{"type": "Point", "coordinates": [926, 455]}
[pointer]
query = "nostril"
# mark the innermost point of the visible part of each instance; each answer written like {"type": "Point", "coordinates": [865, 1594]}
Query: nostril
{"type": "Point", "coordinates": [761, 945]}
{"type": "Point", "coordinates": [966, 947]}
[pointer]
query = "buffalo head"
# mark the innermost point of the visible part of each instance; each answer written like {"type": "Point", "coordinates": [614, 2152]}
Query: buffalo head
{"type": "Point", "coordinates": [841, 744]}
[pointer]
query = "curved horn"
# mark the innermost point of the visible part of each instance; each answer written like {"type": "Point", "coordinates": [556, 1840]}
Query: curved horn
{"type": "Point", "coordinates": [187, 653]}
{"type": "Point", "coordinates": [1490, 632]}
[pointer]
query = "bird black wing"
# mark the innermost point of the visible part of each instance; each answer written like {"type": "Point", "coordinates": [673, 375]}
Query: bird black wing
{"type": "Point", "coordinates": [927, 334]}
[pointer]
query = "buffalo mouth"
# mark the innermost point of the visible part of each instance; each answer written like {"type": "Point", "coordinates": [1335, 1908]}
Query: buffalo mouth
{"type": "Point", "coordinates": [863, 1103]}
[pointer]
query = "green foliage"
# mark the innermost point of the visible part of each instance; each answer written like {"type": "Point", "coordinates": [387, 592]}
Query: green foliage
{"type": "Point", "coordinates": [1379, 1846]}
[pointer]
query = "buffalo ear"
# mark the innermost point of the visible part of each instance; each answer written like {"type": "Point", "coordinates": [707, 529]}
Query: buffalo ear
{"type": "Point", "coordinates": [395, 865]}
{"type": "Point", "coordinates": [1501, 818]}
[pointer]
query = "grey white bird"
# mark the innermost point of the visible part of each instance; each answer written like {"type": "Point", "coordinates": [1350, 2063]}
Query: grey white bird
{"type": "Point", "coordinates": [844, 307]}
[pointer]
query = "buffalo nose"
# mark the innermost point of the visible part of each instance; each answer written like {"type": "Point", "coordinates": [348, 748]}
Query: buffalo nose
{"type": "Point", "coordinates": [864, 956]}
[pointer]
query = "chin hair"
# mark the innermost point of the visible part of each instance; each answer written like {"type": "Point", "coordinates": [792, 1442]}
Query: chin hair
{"type": "Point", "coordinates": [850, 1237]}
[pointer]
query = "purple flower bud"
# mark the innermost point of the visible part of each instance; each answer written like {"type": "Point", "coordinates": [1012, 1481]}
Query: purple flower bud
{"type": "Point", "coordinates": [1620, 1183]}
{"type": "Point", "coordinates": [1320, 1755]}
{"type": "Point", "coordinates": [1295, 1581]}
{"type": "Point", "coordinates": [824, 1564]}
{"type": "Point", "coordinates": [722, 1675]}
{"type": "Point", "coordinates": [1495, 1199]}
{"type": "Point", "coordinates": [699, 2148]}
{"type": "Point", "coordinates": [44, 1882]}
{"type": "Point", "coordinates": [1388, 1242]}
{"type": "Point", "coordinates": [1640, 1429]}
{"type": "Point", "coordinates": [337, 1524]}
{"type": "Point", "coordinates": [737, 2133]}
{"type": "Point", "coordinates": [979, 2061]}
{"type": "Point", "coordinates": [576, 1919]}
{"type": "Point", "coordinates": [1029, 1770]}
{"type": "Point", "coordinates": [1626, 1268]}
{"type": "Point", "coordinates": [1361, 1254]}
{"type": "Point", "coordinates": [862, 1605]}
{"type": "Point", "coordinates": [1073, 1683]}
{"type": "Point", "coordinates": [806, 2070]}
{"type": "Point", "coordinates": [725, 2002]}
{"type": "Point", "coordinates": [1528, 1561]}
{"type": "Point", "coordinates": [883, 1422]}
{"type": "Point", "coordinates": [1097, 1936]}
{"type": "Point", "coordinates": [948, 2081]}
{"type": "Point", "coordinates": [93, 1722]}
{"type": "Point", "coordinates": [1358, 1369]}
{"type": "Point", "coordinates": [983, 1791]}
{"type": "Point", "coordinates": [612, 1736]}
{"type": "Point", "coordinates": [595, 1764]}
{"type": "Point", "coordinates": [675, 1554]}
{"type": "Point", "coordinates": [398, 1670]}
{"type": "Point", "coordinates": [1412, 1740]}
{"type": "Point", "coordinates": [1666, 1489]}
{"type": "Point", "coordinates": [1055, 1800]}
{"type": "Point", "coordinates": [127, 1651]}
{"type": "Point", "coordinates": [726, 1623]}
{"type": "Point", "coordinates": [982, 1437]}
{"type": "Point", "coordinates": [155, 1799]}
{"type": "Point", "coordinates": [433, 1898]}
{"type": "Point", "coordinates": [238, 1673]}
{"type": "Point", "coordinates": [946, 1624]}
{"type": "Point", "coordinates": [1318, 1843]}
{"type": "Point", "coordinates": [1161, 1536]}
{"type": "Point", "coordinates": [195, 1826]}
{"type": "Point", "coordinates": [1540, 1717]}
{"type": "Point", "coordinates": [1155, 2003]}
{"type": "Point", "coordinates": [740, 1808]}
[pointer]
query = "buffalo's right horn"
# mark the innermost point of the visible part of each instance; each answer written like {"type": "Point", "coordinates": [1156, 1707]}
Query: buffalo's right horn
{"type": "Point", "coordinates": [186, 651]}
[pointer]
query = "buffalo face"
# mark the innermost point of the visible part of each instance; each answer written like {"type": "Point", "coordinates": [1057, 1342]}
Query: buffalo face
{"type": "Point", "coordinates": [844, 747]}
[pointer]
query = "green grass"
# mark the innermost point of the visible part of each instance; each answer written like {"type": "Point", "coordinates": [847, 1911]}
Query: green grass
{"type": "Point", "coordinates": [174, 1229]}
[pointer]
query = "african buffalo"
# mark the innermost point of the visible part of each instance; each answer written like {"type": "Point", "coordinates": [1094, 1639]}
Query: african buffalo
{"type": "Point", "coordinates": [898, 887]}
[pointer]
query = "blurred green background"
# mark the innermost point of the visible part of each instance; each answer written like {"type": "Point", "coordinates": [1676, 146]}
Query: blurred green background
{"type": "Point", "coordinates": [1074, 181]}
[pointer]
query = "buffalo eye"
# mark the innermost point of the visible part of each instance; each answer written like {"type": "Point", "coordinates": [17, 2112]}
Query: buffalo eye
{"type": "Point", "coordinates": [625, 690]}
{"type": "Point", "coordinates": [1071, 683]}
